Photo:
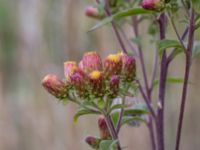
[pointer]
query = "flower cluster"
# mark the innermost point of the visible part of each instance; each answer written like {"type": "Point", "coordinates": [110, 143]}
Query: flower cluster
{"type": "Point", "coordinates": [93, 77]}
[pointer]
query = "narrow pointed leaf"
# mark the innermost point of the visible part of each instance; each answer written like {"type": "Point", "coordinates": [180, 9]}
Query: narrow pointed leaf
{"type": "Point", "coordinates": [120, 15]}
{"type": "Point", "coordinates": [82, 112]}
{"type": "Point", "coordinates": [171, 80]}
{"type": "Point", "coordinates": [117, 106]}
{"type": "Point", "coordinates": [129, 119]}
{"type": "Point", "coordinates": [132, 112]}
{"type": "Point", "coordinates": [166, 43]}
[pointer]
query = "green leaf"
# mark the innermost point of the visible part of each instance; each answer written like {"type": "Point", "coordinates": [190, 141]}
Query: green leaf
{"type": "Point", "coordinates": [196, 5]}
{"type": "Point", "coordinates": [82, 112]}
{"type": "Point", "coordinates": [196, 49]}
{"type": "Point", "coordinates": [117, 106]}
{"type": "Point", "coordinates": [129, 119]}
{"type": "Point", "coordinates": [107, 145]}
{"type": "Point", "coordinates": [166, 43]}
{"type": "Point", "coordinates": [120, 15]}
{"type": "Point", "coordinates": [133, 112]}
{"type": "Point", "coordinates": [115, 118]}
{"type": "Point", "coordinates": [170, 80]}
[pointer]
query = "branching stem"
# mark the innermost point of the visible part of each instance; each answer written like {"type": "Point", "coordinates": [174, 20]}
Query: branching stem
{"type": "Point", "coordinates": [186, 77]}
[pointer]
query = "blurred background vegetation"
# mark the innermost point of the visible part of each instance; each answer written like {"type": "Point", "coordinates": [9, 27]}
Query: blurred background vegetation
{"type": "Point", "coordinates": [36, 37]}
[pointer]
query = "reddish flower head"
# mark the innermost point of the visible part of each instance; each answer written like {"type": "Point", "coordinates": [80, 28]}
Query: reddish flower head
{"type": "Point", "coordinates": [79, 81]}
{"type": "Point", "coordinates": [91, 61]}
{"type": "Point", "coordinates": [114, 85]}
{"type": "Point", "coordinates": [93, 141]}
{"type": "Point", "coordinates": [55, 86]}
{"type": "Point", "coordinates": [69, 68]}
{"type": "Point", "coordinates": [103, 128]}
{"type": "Point", "coordinates": [96, 82]}
{"type": "Point", "coordinates": [157, 5]}
{"type": "Point", "coordinates": [128, 67]}
{"type": "Point", "coordinates": [93, 12]}
{"type": "Point", "coordinates": [112, 65]}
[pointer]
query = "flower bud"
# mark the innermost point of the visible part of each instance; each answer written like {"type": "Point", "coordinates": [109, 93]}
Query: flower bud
{"type": "Point", "coordinates": [156, 5]}
{"type": "Point", "coordinates": [93, 12]}
{"type": "Point", "coordinates": [79, 81]}
{"type": "Point", "coordinates": [114, 85]}
{"type": "Point", "coordinates": [128, 67]}
{"type": "Point", "coordinates": [112, 65]}
{"type": "Point", "coordinates": [103, 128]}
{"type": "Point", "coordinates": [91, 61]}
{"type": "Point", "coordinates": [55, 86]}
{"type": "Point", "coordinates": [69, 68]}
{"type": "Point", "coordinates": [96, 82]}
{"type": "Point", "coordinates": [93, 141]}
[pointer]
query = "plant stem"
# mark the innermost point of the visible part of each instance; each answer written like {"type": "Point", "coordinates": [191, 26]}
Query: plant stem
{"type": "Point", "coordinates": [172, 54]}
{"type": "Point", "coordinates": [176, 31]}
{"type": "Point", "coordinates": [151, 132]}
{"type": "Point", "coordinates": [112, 130]}
{"type": "Point", "coordinates": [148, 92]}
{"type": "Point", "coordinates": [154, 70]}
{"type": "Point", "coordinates": [141, 57]}
{"type": "Point", "coordinates": [153, 115]}
{"type": "Point", "coordinates": [146, 101]}
{"type": "Point", "coordinates": [186, 78]}
{"type": "Point", "coordinates": [162, 87]}
{"type": "Point", "coordinates": [120, 116]}
{"type": "Point", "coordinates": [107, 10]}
{"type": "Point", "coordinates": [129, 43]}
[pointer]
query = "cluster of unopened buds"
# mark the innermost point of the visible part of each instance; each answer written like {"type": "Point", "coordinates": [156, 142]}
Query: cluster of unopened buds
{"type": "Point", "coordinates": [95, 85]}
{"type": "Point", "coordinates": [92, 77]}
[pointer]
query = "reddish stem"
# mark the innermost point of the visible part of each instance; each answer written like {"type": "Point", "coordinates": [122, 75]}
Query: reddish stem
{"type": "Point", "coordinates": [162, 87]}
{"type": "Point", "coordinates": [186, 78]}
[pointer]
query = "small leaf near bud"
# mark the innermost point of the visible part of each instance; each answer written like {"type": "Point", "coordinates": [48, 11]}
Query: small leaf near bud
{"type": "Point", "coordinates": [55, 86]}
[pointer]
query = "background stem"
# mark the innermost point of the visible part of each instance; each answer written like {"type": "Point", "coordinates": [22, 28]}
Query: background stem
{"type": "Point", "coordinates": [146, 95]}
{"type": "Point", "coordinates": [186, 78]}
{"type": "Point", "coordinates": [162, 87]}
